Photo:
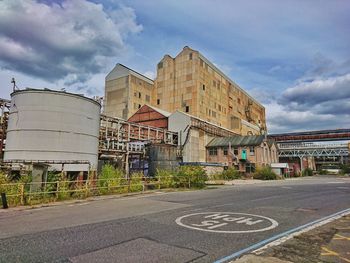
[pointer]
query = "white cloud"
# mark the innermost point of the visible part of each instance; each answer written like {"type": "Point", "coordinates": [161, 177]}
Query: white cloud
{"type": "Point", "coordinates": [73, 39]}
{"type": "Point", "coordinates": [319, 104]}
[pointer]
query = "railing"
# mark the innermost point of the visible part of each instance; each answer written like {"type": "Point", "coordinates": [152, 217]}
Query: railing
{"type": "Point", "coordinates": [310, 146]}
{"type": "Point", "coordinates": [43, 192]}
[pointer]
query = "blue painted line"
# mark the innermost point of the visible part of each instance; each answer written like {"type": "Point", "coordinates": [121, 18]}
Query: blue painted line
{"type": "Point", "coordinates": [273, 238]}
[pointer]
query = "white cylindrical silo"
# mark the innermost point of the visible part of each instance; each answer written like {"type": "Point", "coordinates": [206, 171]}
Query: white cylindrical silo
{"type": "Point", "coordinates": [54, 126]}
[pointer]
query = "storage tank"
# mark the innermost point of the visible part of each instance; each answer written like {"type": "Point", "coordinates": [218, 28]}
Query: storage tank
{"type": "Point", "coordinates": [53, 126]}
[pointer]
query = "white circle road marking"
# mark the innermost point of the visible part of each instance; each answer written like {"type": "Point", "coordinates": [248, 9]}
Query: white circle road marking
{"type": "Point", "coordinates": [224, 220]}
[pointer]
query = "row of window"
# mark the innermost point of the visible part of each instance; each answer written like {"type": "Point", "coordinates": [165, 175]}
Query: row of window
{"type": "Point", "coordinates": [138, 94]}
{"type": "Point", "coordinates": [214, 151]}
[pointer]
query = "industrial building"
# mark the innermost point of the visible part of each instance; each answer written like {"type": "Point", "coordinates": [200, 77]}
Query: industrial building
{"type": "Point", "coordinates": [191, 83]}
{"type": "Point", "coordinates": [126, 91]}
{"type": "Point", "coordinates": [188, 83]}
{"type": "Point", "coordinates": [245, 153]}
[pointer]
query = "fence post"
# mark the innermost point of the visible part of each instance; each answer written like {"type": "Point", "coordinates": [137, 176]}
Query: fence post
{"type": "Point", "coordinates": [159, 182]}
{"type": "Point", "coordinates": [87, 187]}
{"type": "Point", "coordinates": [57, 189]}
{"type": "Point", "coordinates": [189, 181]}
{"type": "Point", "coordinates": [22, 194]}
{"type": "Point", "coordinates": [4, 201]}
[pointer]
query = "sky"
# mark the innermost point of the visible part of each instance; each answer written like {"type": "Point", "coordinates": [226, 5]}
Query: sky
{"type": "Point", "coordinates": [292, 56]}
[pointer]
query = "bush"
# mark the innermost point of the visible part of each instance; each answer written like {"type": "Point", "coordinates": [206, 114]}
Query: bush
{"type": "Point", "coordinates": [345, 169]}
{"type": "Point", "coordinates": [166, 178]}
{"type": "Point", "coordinates": [111, 180]}
{"type": "Point", "coordinates": [264, 173]}
{"type": "Point", "coordinates": [136, 184]}
{"type": "Point", "coordinates": [307, 172]}
{"type": "Point", "coordinates": [190, 176]}
{"type": "Point", "coordinates": [231, 174]}
{"type": "Point", "coordinates": [322, 172]}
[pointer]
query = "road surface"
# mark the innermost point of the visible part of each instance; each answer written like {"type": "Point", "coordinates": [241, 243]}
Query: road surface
{"type": "Point", "coordinates": [190, 226]}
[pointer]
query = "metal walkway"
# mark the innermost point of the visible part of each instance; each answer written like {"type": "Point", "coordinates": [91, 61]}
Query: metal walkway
{"type": "Point", "coordinates": [312, 149]}
{"type": "Point", "coordinates": [119, 136]}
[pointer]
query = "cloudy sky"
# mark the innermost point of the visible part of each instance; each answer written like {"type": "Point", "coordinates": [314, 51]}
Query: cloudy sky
{"type": "Point", "coordinates": [293, 56]}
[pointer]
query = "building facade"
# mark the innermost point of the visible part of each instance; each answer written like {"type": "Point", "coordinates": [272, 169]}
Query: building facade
{"type": "Point", "coordinates": [189, 83]}
{"type": "Point", "coordinates": [192, 84]}
{"type": "Point", "coordinates": [126, 91]}
{"type": "Point", "coordinates": [245, 153]}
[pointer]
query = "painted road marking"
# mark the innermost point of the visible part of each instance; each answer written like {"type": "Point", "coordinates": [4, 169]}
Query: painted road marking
{"type": "Point", "coordinates": [284, 236]}
{"type": "Point", "coordinates": [226, 222]}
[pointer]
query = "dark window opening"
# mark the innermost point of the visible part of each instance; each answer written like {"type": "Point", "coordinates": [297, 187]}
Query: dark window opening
{"type": "Point", "coordinates": [187, 108]}
{"type": "Point", "coordinates": [160, 65]}
{"type": "Point", "coordinates": [158, 101]}
{"type": "Point", "coordinates": [225, 151]}
{"type": "Point", "coordinates": [213, 151]}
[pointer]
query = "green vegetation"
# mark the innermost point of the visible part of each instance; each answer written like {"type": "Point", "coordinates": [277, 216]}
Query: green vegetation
{"type": "Point", "coordinates": [184, 176]}
{"type": "Point", "coordinates": [264, 173]}
{"type": "Point", "coordinates": [307, 172]}
{"type": "Point", "coordinates": [230, 174]}
{"type": "Point", "coordinates": [345, 169]}
{"type": "Point", "coordinates": [111, 180]}
{"type": "Point", "coordinates": [322, 172]}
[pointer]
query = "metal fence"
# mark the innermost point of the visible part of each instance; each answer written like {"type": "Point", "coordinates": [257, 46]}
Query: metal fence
{"type": "Point", "coordinates": [44, 192]}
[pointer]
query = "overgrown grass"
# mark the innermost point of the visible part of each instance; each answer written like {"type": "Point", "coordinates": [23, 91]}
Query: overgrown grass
{"type": "Point", "coordinates": [110, 181]}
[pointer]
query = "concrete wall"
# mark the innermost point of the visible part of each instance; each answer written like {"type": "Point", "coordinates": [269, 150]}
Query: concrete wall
{"type": "Point", "coordinates": [162, 157]}
{"type": "Point", "coordinates": [125, 92]}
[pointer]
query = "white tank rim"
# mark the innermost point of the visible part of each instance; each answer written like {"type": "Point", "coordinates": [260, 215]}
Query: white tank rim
{"type": "Point", "coordinates": [58, 92]}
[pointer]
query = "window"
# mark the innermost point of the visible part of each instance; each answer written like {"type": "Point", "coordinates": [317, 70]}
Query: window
{"type": "Point", "coordinates": [160, 65]}
{"type": "Point", "coordinates": [225, 151]}
{"type": "Point", "coordinates": [203, 87]}
{"type": "Point", "coordinates": [213, 114]}
{"type": "Point", "coordinates": [213, 151]}
{"type": "Point", "coordinates": [140, 95]}
{"type": "Point", "coordinates": [238, 100]}
{"type": "Point", "coordinates": [235, 151]}
{"type": "Point", "coordinates": [190, 56]}
{"type": "Point", "coordinates": [251, 150]}
{"type": "Point", "coordinates": [158, 101]}
{"type": "Point", "coordinates": [187, 108]}
{"type": "Point", "coordinates": [219, 107]}
{"type": "Point", "coordinates": [147, 98]}
{"type": "Point", "coordinates": [139, 105]}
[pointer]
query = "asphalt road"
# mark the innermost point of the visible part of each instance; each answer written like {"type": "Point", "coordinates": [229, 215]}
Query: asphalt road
{"type": "Point", "coordinates": [192, 226]}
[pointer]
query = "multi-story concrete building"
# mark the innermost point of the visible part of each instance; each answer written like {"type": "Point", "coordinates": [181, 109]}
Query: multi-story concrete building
{"type": "Point", "coordinates": [126, 91]}
{"type": "Point", "coordinates": [192, 84]}
{"type": "Point", "coordinates": [189, 83]}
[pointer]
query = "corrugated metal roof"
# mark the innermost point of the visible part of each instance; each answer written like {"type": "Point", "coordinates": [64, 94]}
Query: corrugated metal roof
{"type": "Point", "coordinates": [251, 140]}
